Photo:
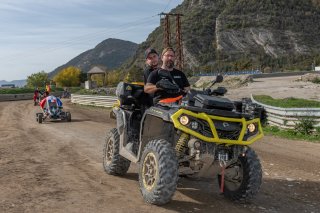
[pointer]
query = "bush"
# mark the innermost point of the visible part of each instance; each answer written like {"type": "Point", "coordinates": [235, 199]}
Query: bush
{"type": "Point", "coordinates": [305, 126]}
{"type": "Point", "coordinates": [316, 81]}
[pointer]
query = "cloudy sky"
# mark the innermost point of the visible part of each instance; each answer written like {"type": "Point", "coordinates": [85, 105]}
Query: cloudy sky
{"type": "Point", "coordinates": [38, 35]}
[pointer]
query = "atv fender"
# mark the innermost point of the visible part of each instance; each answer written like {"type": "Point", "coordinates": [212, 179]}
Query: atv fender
{"type": "Point", "coordinates": [121, 128]}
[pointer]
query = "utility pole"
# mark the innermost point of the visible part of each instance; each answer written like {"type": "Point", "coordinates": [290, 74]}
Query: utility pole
{"type": "Point", "coordinates": [178, 38]}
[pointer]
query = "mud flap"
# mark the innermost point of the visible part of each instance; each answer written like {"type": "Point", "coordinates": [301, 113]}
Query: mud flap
{"type": "Point", "coordinates": [121, 127]}
{"type": "Point", "coordinates": [120, 120]}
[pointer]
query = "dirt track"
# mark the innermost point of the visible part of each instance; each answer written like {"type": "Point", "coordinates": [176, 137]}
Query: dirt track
{"type": "Point", "coordinates": [56, 167]}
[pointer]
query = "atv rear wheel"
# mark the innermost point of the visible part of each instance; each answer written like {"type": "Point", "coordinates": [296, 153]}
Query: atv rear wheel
{"type": "Point", "coordinates": [40, 118]}
{"type": "Point", "coordinates": [158, 172]}
{"type": "Point", "coordinates": [113, 162]}
{"type": "Point", "coordinates": [242, 179]}
{"type": "Point", "coordinates": [68, 116]}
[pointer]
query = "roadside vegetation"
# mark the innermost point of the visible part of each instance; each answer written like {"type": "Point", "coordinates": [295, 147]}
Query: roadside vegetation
{"type": "Point", "coordinates": [287, 102]}
{"type": "Point", "coordinates": [293, 134]}
{"type": "Point", "coordinates": [16, 90]}
{"type": "Point", "coordinates": [304, 128]}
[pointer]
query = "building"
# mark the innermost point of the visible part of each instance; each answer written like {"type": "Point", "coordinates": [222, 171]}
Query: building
{"type": "Point", "coordinates": [8, 86]}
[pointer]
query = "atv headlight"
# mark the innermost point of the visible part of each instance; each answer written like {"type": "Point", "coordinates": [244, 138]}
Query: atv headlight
{"type": "Point", "coordinates": [184, 120]}
{"type": "Point", "coordinates": [251, 128]}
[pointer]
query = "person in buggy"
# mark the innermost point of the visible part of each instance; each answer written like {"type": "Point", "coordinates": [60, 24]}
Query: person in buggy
{"type": "Point", "coordinates": [52, 109]}
{"type": "Point", "coordinates": [50, 104]}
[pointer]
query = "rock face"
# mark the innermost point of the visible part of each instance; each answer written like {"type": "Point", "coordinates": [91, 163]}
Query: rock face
{"type": "Point", "coordinates": [230, 82]}
{"type": "Point", "coordinates": [244, 34]}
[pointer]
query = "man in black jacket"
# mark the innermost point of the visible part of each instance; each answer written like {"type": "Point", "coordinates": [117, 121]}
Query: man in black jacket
{"type": "Point", "coordinates": [152, 62]}
{"type": "Point", "coordinates": [167, 75]}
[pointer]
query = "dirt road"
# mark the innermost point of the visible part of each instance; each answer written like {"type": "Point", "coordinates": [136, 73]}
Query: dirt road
{"type": "Point", "coordinates": [56, 167]}
{"type": "Point", "coordinates": [282, 87]}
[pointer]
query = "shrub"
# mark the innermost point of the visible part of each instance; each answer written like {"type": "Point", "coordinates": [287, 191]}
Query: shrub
{"type": "Point", "coordinates": [305, 125]}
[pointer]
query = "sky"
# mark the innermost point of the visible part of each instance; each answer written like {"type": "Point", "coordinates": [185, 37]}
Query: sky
{"type": "Point", "coordinates": [40, 35]}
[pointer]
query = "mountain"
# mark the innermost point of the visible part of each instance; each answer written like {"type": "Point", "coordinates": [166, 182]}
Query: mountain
{"type": "Point", "coordinates": [244, 34]}
{"type": "Point", "coordinates": [17, 83]}
{"type": "Point", "coordinates": [110, 53]}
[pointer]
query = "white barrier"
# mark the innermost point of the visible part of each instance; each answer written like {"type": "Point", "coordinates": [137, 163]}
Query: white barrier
{"type": "Point", "coordinates": [288, 117]}
{"type": "Point", "coordinates": [92, 100]}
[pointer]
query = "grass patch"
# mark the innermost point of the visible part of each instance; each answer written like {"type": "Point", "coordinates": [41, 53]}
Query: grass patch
{"type": "Point", "coordinates": [316, 81]}
{"type": "Point", "coordinates": [86, 92]}
{"type": "Point", "coordinates": [24, 90]}
{"type": "Point", "coordinates": [291, 134]}
{"type": "Point", "coordinates": [287, 102]}
{"type": "Point", "coordinates": [91, 107]}
{"type": "Point", "coordinates": [73, 89]}
{"type": "Point", "coordinates": [16, 90]}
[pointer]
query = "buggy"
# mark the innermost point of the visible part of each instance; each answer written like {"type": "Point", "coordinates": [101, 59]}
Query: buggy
{"type": "Point", "coordinates": [52, 110]}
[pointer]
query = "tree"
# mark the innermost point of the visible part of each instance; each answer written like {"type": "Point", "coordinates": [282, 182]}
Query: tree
{"type": "Point", "coordinates": [37, 79]}
{"type": "Point", "coordinates": [99, 78]}
{"type": "Point", "coordinates": [83, 77]}
{"type": "Point", "coordinates": [68, 77]}
{"type": "Point", "coordinates": [135, 74]}
{"type": "Point", "coordinates": [113, 78]}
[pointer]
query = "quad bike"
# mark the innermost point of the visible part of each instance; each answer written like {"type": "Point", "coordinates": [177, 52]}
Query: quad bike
{"type": "Point", "coordinates": [203, 135]}
{"type": "Point", "coordinates": [53, 112]}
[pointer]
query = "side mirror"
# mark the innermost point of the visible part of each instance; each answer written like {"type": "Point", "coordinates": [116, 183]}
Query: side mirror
{"type": "Point", "coordinates": [219, 78]}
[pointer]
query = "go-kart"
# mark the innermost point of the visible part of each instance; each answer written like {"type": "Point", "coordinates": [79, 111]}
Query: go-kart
{"type": "Point", "coordinates": [52, 111]}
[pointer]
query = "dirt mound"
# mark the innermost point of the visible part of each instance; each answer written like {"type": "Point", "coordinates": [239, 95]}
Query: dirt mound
{"type": "Point", "coordinates": [312, 77]}
{"type": "Point", "coordinates": [231, 82]}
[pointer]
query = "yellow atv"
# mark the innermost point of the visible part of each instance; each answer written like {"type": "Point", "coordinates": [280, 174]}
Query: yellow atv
{"type": "Point", "coordinates": [204, 135]}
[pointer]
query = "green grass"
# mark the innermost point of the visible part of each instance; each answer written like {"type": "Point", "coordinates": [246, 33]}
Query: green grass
{"type": "Point", "coordinates": [316, 81]}
{"type": "Point", "coordinates": [287, 102]}
{"type": "Point", "coordinates": [291, 134]}
{"type": "Point", "coordinates": [86, 92]}
{"type": "Point", "coordinates": [23, 90]}
{"type": "Point", "coordinates": [16, 90]}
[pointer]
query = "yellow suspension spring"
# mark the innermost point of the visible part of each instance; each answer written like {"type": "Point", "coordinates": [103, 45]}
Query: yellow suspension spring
{"type": "Point", "coordinates": [182, 143]}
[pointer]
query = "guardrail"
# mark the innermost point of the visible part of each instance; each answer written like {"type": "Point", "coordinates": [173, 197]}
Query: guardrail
{"type": "Point", "coordinates": [282, 117]}
{"type": "Point", "coordinates": [23, 96]}
{"type": "Point", "coordinates": [92, 100]}
{"type": "Point", "coordinates": [287, 118]}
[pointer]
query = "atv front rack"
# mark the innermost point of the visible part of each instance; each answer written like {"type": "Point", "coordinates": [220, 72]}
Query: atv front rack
{"type": "Point", "coordinates": [204, 117]}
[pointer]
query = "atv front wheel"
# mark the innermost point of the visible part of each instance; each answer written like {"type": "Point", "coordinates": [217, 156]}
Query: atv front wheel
{"type": "Point", "coordinates": [158, 172]}
{"type": "Point", "coordinates": [242, 179]}
{"type": "Point", "coordinates": [113, 162]}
